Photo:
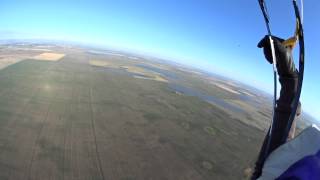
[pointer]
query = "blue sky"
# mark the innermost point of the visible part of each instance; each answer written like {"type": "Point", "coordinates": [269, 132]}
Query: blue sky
{"type": "Point", "coordinates": [217, 36]}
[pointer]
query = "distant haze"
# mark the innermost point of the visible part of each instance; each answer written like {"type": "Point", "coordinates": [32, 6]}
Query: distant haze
{"type": "Point", "coordinates": [218, 37]}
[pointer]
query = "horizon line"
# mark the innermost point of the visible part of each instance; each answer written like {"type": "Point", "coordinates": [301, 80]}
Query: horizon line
{"type": "Point", "coordinates": [144, 54]}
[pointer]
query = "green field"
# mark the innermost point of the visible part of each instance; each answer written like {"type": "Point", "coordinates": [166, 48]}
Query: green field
{"type": "Point", "coordinates": [70, 120]}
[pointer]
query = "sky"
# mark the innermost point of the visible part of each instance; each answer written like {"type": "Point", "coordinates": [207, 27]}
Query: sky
{"type": "Point", "coordinates": [216, 36]}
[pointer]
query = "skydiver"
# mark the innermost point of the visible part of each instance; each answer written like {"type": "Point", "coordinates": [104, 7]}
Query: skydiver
{"type": "Point", "coordinates": [288, 78]}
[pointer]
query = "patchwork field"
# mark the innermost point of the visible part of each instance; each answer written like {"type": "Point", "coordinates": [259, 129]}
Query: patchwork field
{"type": "Point", "coordinates": [49, 57]}
{"type": "Point", "coordinates": [85, 115]}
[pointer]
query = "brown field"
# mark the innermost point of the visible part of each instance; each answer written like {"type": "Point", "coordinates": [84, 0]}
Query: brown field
{"type": "Point", "coordinates": [8, 60]}
{"type": "Point", "coordinates": [139, 72]}
{"type": "Point", "coordinates": [49, 57]}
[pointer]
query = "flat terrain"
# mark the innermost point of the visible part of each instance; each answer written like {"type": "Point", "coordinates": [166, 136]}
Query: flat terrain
{"type": "Point", "coordinates": [103, 115]}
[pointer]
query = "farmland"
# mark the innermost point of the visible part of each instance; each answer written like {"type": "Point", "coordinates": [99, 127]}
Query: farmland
{"type": "Point", "coordinates": [125, 118]}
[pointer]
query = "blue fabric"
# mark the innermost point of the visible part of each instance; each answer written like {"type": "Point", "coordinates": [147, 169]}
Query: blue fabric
{"type": "Point", "coordinates": [307, 168]}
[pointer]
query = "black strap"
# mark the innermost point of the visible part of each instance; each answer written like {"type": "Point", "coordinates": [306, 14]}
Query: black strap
{"type": "Point", "coordinates": [301, 72]}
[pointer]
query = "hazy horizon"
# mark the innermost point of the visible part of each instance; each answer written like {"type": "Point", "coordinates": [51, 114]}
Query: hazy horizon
{"type": "Point", "coordinates": [217, 37]}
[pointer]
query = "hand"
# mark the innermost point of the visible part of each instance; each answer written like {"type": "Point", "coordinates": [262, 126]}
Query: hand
{"type": "Point", "coordinates": [285, 64]}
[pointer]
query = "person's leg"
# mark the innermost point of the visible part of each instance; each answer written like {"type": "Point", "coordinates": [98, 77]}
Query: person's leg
{"type": "Point", "coordinates": [294, 124]}
{"type": "Point", "coordinates": [292, 131]}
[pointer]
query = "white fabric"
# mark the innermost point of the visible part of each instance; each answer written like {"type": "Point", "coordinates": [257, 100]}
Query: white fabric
{"type": "Point", "coordinates": [306, 143]}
